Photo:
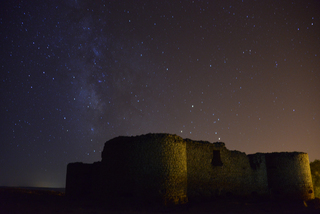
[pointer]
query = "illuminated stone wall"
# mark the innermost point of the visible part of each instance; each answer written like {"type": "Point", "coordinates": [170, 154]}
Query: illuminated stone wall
{"type": "Point", "coordinates": [148, 166]}
{"type": "Point", "coordinates": [214, 171]}
{"type": "Point", "coordinates": [289, 175]}
{"type": "Point", "coordinates": [315, 172]}
{"type": "Point", "coordinates": [167, 168]}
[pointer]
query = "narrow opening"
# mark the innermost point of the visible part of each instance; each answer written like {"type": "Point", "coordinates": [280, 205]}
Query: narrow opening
{"type": "Point", "coordinates": [216, 159]}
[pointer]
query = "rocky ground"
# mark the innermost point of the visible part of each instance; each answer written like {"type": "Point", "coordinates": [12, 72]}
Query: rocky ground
{"type": "Point", "coordinates": [21, 200]}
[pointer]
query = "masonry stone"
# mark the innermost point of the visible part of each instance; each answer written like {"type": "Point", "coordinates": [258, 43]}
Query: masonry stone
{"type": "Point", "coordinates": [171, 170]}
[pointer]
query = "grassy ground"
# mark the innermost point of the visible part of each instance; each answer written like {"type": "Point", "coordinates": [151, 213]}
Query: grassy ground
{"type": "Point", "coordinates": [21, 200]}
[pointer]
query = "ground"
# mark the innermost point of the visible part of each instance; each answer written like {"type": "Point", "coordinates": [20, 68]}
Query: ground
{"type": "Point", "coordinates": [23, 200]}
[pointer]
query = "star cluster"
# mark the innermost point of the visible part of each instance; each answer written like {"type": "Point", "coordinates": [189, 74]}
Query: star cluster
{"type": "Point", "coordinates": [75, 74]}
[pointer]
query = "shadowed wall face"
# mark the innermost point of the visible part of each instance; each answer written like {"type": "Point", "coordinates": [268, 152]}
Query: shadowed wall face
{"type": "Point", "coordinates": [259, 176]}
{"type": "Point", "coordinates": [151, 166]}
{"type": "Point", "coordinates": [215, 171]}
{"type": "Point", "coordinates": [289, 175]}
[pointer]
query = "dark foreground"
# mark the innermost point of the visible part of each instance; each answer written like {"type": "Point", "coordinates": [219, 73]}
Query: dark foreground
{"type": "Point", "coordinates": [21, 200]}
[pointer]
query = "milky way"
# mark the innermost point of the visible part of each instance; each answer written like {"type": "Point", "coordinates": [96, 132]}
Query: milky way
{"type": "Point", "coordinates": [78, 73]}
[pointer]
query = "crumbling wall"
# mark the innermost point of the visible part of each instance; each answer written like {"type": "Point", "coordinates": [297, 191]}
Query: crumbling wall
{"type": "Point", "coordinates": [289, 175]}
{"type": "Point", "coordinates": [259, 178]}
{"type": "Point", "coordinates": [236, 173]}
{"type": "Point", "coordinates": [200, 169]}
{"type": "Point", "coordinates": [315, 173]}
{"type": "Point", "coordinates": [166, 167]}
{"type": "Point", "coordinates": [147, 166]}
{"type": "Point", "coordinates": [214, 170]}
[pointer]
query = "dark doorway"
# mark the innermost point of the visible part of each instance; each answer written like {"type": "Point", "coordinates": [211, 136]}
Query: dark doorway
{"type": "Point", "coordinates": [216, 159]}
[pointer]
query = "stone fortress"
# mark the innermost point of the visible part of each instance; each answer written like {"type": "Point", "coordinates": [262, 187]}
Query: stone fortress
{"type": "Point", "coordinates": [171, 169]}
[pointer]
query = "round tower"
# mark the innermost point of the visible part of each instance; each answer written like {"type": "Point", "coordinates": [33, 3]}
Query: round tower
{"type": "Point", "coordinates": [160, 167]}
{"type": "Point", "coordinates": [152, 166]}
{"type": "Point", "coordinates": [289, 175]}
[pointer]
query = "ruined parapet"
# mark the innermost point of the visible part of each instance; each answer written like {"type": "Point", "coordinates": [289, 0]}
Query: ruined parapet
{"type": "Point", "coordinates": [289, 175]}
{"type": "Point", "coordinates": [164, 167]}
{"type": "Point", "coordinates": [215, 171]}
{"type": "Point", "coordinates": [148, 166]}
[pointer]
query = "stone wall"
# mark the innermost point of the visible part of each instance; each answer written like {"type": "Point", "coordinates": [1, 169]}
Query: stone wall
{"type": "Point", "coordinates": [148, 166]}
{"type": "Point", "coordinates": [315, 172]}
{"type": "Point", "coordinates": [259, 177]}
{"type": "Point", "coordinates": [215, 171]}
{"type": "Point", "coordinates": [289, 175]}
{"type": "Point", "coordinates": [168, 168]}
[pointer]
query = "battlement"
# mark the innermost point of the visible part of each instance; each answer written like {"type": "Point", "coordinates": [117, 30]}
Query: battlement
{"type": "Point", "coordinates": [170, 169]}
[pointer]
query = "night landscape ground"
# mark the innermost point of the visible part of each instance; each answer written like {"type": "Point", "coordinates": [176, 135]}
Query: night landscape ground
{"type": "Point", "coordinates": [36, 200]}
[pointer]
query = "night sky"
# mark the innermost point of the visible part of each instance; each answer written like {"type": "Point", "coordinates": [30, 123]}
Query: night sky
{"type": "Point", "coordinates": [75, 74]}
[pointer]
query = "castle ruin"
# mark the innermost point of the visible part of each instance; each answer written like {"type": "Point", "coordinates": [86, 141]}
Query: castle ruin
{"type": "Point", "coordinates": [171, 169]}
